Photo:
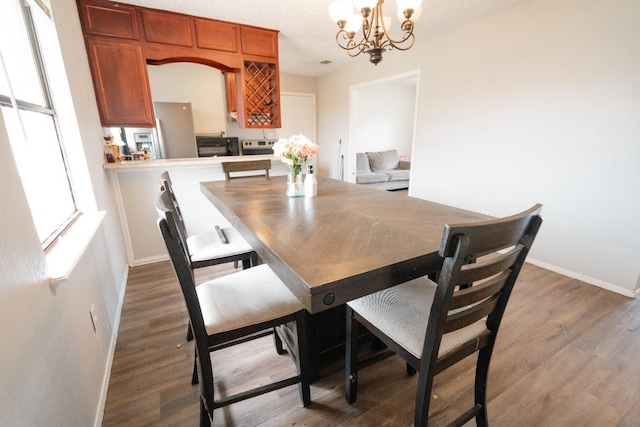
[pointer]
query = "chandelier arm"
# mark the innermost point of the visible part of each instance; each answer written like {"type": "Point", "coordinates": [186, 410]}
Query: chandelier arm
{"type": "Point", "coordinates": [350, 46]}
{"type": "Point", "coordinates": [407, 27]}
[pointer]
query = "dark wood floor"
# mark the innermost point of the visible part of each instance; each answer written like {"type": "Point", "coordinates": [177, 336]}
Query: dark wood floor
{"type": "Point", "coordinates": [568, 354]}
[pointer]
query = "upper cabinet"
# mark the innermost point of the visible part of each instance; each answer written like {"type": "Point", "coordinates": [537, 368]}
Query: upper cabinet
{"type": "Point", "coordinates": [113, 20]}
{"type": "Point", "coordinates": [122, 39]}
{"type": "Point", "coordinates": [121, 83]}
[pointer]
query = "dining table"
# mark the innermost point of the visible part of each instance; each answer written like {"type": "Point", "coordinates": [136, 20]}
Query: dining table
{"type": "Point", "coordinates": [346, 242]}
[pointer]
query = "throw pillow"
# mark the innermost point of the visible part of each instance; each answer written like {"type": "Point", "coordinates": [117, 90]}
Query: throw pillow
{"type": "Point", "coordinates": [362, 163]}
{"type": "Point", "coordinates": [383, 160]}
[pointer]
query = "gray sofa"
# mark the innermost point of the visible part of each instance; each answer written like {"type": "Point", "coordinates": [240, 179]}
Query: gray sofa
{"type": "Point", "coordinates": [382, 169]}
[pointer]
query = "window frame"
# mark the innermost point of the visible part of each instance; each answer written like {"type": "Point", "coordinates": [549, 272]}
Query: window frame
{"type": "Point", "coordinates": [48, 109]}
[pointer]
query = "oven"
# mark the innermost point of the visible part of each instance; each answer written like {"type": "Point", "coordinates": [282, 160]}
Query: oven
{"type": "Point", "coordinates": [257, 146]}
{"type": "Point", "coordinates": [214, 146]}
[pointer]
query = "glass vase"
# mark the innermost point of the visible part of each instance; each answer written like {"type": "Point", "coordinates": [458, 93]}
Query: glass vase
{"type": "Point", "coordinates": [295, 187]}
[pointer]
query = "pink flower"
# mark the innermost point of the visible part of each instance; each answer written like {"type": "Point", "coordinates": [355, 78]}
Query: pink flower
{"type": "Point", "coordinates": [298, 149]}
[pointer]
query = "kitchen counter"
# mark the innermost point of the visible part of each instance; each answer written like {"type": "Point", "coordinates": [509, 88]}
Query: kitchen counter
{"type": "Point", "coordinates": [136, 183]}
{"type": "Point", "coordinates": [171, 163]}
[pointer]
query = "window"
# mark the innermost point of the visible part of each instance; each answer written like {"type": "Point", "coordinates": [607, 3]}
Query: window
{"type": "Point", "coordinates": [29, 53]}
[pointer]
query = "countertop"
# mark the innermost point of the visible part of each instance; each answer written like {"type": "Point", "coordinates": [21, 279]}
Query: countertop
{"type": "Point", "coordinates": [200, 161]}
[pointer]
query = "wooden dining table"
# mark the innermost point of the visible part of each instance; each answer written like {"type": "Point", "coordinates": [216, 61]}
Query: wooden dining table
{"type": "Point", "coordinates": [346, 242]}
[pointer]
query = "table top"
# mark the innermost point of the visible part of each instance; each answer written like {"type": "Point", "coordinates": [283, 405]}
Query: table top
{"type": "Point", "coordinates": [346, 242]}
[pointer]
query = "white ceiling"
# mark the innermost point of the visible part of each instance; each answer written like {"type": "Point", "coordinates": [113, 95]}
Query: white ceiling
{"type": "Point", "coordinates": [307, 34]}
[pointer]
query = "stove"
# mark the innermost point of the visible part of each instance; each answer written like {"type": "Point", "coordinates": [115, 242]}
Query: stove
{"type": "Point", "coordinates": [257, 146]}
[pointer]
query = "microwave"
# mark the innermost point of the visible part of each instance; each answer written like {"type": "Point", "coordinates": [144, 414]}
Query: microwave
{"type": "Point", "coordinates": [215, 146]}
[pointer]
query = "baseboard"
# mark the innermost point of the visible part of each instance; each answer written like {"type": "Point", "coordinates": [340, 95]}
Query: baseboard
{"type": "Point", "coordinates": [586, 279]}
{"type": "Point", "coordinates": [112, 349]}
{"type": "Point", "coordinates": [150, 260]}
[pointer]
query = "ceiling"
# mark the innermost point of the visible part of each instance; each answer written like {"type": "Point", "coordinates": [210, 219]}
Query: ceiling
{"type": "Point", "coordinates": [307, 34]}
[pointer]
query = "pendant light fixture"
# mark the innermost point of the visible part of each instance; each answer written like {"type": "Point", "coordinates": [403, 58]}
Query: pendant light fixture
{"type": "Point", "coordinates": [375, 38]}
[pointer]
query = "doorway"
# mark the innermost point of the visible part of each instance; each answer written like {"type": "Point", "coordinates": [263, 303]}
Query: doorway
{"type": "Point", "coordinates": [383, 117]}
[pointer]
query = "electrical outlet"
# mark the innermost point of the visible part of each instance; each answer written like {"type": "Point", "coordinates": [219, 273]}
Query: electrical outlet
{"type": "Point", "coordinates": [94, 318]}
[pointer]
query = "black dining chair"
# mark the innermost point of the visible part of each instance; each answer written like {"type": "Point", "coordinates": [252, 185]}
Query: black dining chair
{"type": "Point", "coordinates": [434, 325]}
{"type": "Point", "coordinates": [233, 309]}
{"type": "Point", "coordinates": [218, 246]}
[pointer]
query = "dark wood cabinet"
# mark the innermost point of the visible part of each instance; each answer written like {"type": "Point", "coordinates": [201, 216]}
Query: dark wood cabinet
{"type": "Point", "coordinates": [112, 20]}
{"type": "Point", "coordinates": [121, 83]}
{"type": "Point", "coordinates": [122, 39]}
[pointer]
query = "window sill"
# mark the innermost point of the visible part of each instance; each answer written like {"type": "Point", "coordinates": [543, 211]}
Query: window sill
{"type": "Point", "coordinates": [65, 254]}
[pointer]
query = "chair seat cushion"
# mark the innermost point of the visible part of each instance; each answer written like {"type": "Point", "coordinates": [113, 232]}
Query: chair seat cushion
{"type": "Point", "coordinates": [402, 312]}
{"type": "Point", "coordinates": [371, 178]}
{"type": "Point", "coordinates": [248, 297]}
{"type": "Point", "coordinates": [207, 245]}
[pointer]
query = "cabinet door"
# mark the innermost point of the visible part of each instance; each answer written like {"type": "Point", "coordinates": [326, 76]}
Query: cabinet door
{"type": "Point", "coordinates": [121, 83]}
{"type": "Point", "coordinates": [216, 35]}
{"type": "Point", "coordinates": [167, 28]}
{"type": "Point", "coordinates": [104, 19]}
{"type": "Point", "coordinates": [256, 41]}
{"type": "Point", "coordinates": [231, 92]}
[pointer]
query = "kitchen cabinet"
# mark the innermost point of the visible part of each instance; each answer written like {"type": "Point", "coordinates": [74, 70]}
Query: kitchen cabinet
{"type": "Point", "coordinates": [113, 20]}
{"type": "Point", "coordinates": [216, 35]}
{"type": "Point", "coordinates": [231, 92]}
{"type": "Point", "coordinates": [122, 39]}
{"type": "Point", "coordinates": [166, 28]}
{"type": "Point", "coordinates": [256, 41]}
{"type": "Point", "coordinates": [121, 83]}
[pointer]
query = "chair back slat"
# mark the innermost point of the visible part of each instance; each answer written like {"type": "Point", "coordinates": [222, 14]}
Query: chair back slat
{"type": "Point", "coordinates": [472, 314]}
{"type": "Point", "coordinates": [478, 292]}
{"type": "Point", "coordinates": [166, 209]}
{"type": "Point", "coordinates": [246, 166]}
{"type": "Point", "coordinates": [484, 268]}
{"type": "Point", "coordinates": [492, 236]}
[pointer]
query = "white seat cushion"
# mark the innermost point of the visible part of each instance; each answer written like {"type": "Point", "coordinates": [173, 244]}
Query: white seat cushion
{"type": "Point", "coordinates": [206, 246]}
{"type": "Point", "coordinates": [402, 312]}
{"type": "Point", "coordinates": [244, 298]}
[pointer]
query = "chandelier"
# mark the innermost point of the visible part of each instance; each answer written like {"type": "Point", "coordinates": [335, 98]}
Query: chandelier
{"type": "Point", "coordinates": [375, 38]}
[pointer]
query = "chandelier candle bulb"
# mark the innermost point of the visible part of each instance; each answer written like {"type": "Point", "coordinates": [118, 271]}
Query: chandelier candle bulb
{"type": "Point", "coordinates": [310, 183]}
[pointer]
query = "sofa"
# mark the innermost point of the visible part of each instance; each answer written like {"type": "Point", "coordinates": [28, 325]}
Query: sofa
{"type": "Point", "coordinates": [382, 169]}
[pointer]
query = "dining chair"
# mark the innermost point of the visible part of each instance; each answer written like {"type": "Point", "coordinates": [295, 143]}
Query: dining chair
{"type": "Point", "coordinates": [234, 309]}
{"type": "Point", "coordinates": [218, 246]}
{"type": "Point", "coordinates": [433, 325]}
{"type": "Point", "coordinates": [166, 209]}
{"type": "Point", "coordinates": [246, 166]}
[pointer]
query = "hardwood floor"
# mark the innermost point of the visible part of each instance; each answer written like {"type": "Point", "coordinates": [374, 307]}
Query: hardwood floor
{"type": "Point", "coordinates": [567, 355]}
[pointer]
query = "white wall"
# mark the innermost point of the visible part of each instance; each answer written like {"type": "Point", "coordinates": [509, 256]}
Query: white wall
{"type": "Point", "coordinates": [536, 104]}
{"type": "Point", "coordinates": [53, 366]}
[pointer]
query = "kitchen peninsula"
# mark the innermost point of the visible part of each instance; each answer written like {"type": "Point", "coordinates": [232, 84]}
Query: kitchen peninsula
{"type": "Point", "coordinates": [136, 183]}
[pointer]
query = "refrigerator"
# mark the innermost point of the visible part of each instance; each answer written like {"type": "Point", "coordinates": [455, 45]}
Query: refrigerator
{"type": "Point", "coordinates": [175, 130]}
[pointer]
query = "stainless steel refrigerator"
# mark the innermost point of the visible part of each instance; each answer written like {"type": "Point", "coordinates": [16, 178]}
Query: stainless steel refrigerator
{"type": "Point", "coordinates": [176, 135]}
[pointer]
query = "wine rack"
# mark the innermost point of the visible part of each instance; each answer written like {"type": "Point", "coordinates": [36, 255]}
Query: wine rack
{"type": "Point", "coordinates": [261, 94]}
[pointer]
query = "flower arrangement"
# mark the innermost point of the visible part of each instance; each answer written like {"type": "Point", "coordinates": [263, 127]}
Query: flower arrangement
{"type": "Point", "coordinates": [294, 152]}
